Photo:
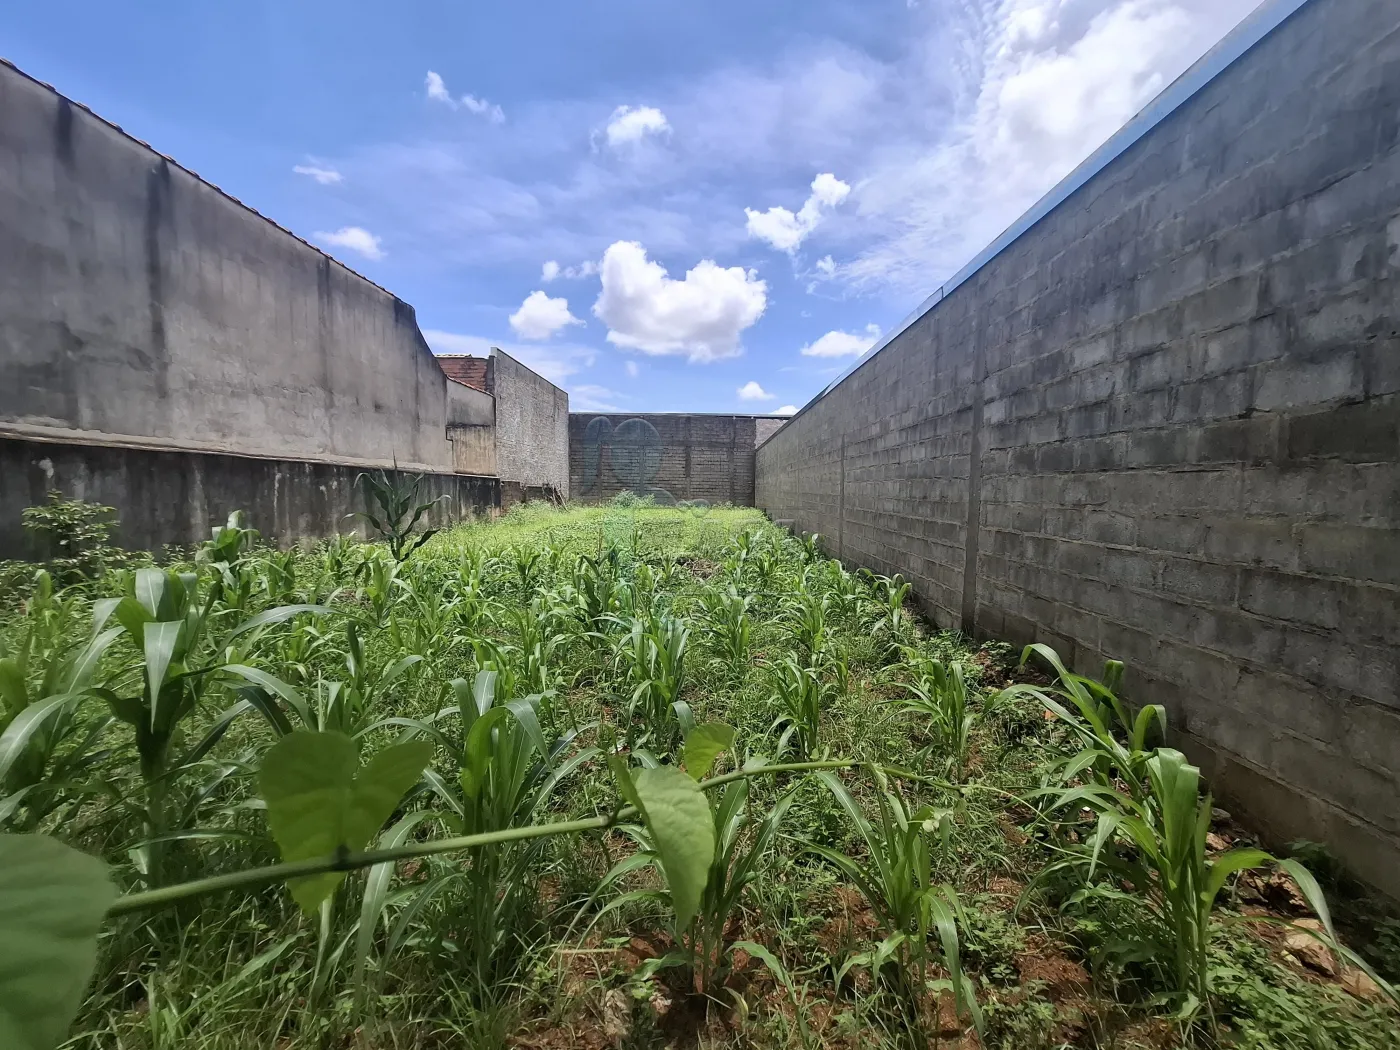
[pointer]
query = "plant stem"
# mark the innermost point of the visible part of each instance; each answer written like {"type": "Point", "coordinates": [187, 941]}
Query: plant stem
{"type": "Point", "coordinates": [348, 860]}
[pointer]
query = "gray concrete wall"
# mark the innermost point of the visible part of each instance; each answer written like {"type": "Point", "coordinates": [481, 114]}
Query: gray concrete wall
{"type": "Point", "coordinates": [469, 407]}
{"type": "Point", "coordinates": [670, 455]}
{"type": "Point", "coordinates": [176, 497]}
{"type": "Point", "coordinates": [532, 428]}
{"type": "Point", "coordinates": [139, 304]}
{"type": "Point", "coordinates": [1163, 425]}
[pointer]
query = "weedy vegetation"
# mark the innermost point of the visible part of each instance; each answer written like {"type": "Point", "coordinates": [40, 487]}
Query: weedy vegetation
{"type": "Point", "coordinates": [618, 776]}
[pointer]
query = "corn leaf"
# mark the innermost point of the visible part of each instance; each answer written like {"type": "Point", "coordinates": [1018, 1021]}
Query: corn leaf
{"type": "Point", "coordinates": [320, 801]}
{"type": "Point", "coordinates": [52, 900]}
{"type": "Point", "coordinates": [678, 819]}
{"type": "Point", "coordinates": [703, 745]}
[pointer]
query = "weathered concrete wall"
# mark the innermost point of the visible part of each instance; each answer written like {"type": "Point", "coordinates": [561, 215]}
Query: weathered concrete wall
{"type": "Point", "coordinates": [469, 407]}
{"type": "Point", "coordinates": [176, 497]}
{"type": "Point", "coordinates": [139, 302]}
{"type": "Point", "coordinates": [532, 427]}
{"type": "Point", "coordinates": [1164, 425]}
{"type": "Point", "coordinates": [672, 456]}
{"type": "Point", "coordinates": [474, 449]}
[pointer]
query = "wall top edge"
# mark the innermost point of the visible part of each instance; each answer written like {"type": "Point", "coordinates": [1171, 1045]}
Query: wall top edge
{"type": "Point", "coordinates": [1253, 29]}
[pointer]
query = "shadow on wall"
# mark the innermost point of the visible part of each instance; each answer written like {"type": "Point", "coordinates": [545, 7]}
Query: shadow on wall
{"type": "Point", "coordinates": [632, 452]}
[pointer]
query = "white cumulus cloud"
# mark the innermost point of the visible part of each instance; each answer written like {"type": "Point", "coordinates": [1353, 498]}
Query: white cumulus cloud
{"type": "Point", "coordinates": [632, 124]}
{"type": "Point", "coordinates": [539, 316]}
{"type": "Point", "coordinates": [632, 369]}
{"type": "Point", "coordinates": [786, 231]}
{"type": "Point", "coordinates": [751, 391]}
{"type": "Point", "coordinates": [353, 238]}
{"type": "Point", "coordinates": [589, 397]}
{"type": "Point", "coordinates": [843, 344]}
{"type": "Point", "coordinates": [786, 410]}
{"type": "Point", "coordinates": [701, 315]}
{"type": "Point", "coordinates": [325, 176]}
{"type": "Point", "coordinates": [549, 271]}
{"type": "Point", "coordinates": [437, 91]}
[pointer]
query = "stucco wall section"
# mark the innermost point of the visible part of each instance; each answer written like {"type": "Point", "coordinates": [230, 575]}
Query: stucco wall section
{"type": "Point", "coordinates": [532, 427]}
{"type": "Point", "coordinates": [139, 302]}
{"type": "Point", "coordinates": [1163, 425]}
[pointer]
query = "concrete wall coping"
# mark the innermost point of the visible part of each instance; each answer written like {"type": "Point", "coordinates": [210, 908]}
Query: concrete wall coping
{"type": "Point", "coordinates": [715, 415]}
{"type": "Point", "coordinates": [423, 343]}
{"type": "Point", "coordinates": [69, 436]}
{"type": "Point", "coordinates": [1255, 26]}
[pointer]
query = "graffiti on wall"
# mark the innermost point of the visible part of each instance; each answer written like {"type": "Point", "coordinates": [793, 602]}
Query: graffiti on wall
{"type": "Point", "coordinates": [631, 452]}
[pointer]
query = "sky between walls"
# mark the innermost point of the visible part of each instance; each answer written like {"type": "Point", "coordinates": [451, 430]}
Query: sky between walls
{"type": "Point", "coordinates": [661, 206]}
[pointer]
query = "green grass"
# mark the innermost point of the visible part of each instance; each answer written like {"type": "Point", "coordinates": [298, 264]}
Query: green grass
{"type": "Point", "coordinates": [961, 899]}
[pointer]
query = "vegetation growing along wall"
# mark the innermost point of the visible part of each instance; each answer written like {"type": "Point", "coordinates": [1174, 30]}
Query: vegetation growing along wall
{"type": "Point", "coordinates": [612, 777]}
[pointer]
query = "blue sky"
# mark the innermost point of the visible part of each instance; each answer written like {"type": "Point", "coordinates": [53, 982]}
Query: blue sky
{"type": "Point", "coordinates": [661, 206]}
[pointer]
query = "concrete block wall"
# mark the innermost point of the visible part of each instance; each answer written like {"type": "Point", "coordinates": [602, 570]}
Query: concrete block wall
{"type": "Point", "coordinates": [532, 428]}
{"type": "Point", "coordinates": [1163, 425]}
{"type": "Point", "coordinates": [141, 305]}
{"type": "Point", "coordinates": [671, 456]}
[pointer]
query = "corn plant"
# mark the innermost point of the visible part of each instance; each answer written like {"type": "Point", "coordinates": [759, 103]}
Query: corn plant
{"type": "Point", "coordinates": [892, 622]}
{"type": "Point", "coordinates": [596, 592]}
{"type": "Point", "coordinates": [654, 653]}
{"type": "Point", "coordinates": [807, 619]}
{"type": "Point", "coordinates": [425, 618]}
{"type": "Point", "coordinates": [798, 695]}
{"type": "Point", "coordinates": [48, 744]}
{"type": "Point", "coordinates": [1095, 713]}
{"type": "Point", "coordinates": [729, 624]}
{"type": "Point", "coordinates": [506, 773]}
{"type": "Point", "coordinates": [168, 621]}
{"type": "Point", "coordinates": [846, 595]}
{"type": "Point", "coordinates": [226, 554]}
{"type": "Point", "coordinates": [1148, 850]}
{"type": "Point", "coordinates": [938, 695]}
{"type": "Point", "coordinates": [528, 569]}
{"type": "Point", "coordinates": [896, 879]}
{"type": "Point", "coordinates": [395, 511]}
{"type": "Point", "coordinates": [703, 950]}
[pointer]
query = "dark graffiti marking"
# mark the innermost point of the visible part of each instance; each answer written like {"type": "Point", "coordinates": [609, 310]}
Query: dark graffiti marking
{"type": "Point", "coordinates": [632, 452]}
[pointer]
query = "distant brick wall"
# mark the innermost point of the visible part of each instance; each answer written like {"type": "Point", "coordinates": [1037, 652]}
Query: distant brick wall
{"type": "Point", "coordinates": [1163, 425]}
{"type": "Point", "coordinates": [674, 456]}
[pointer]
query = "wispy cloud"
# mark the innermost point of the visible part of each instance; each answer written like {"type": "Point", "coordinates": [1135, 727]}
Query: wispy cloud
{"type": "Point", "coordinates": [589, 397]}
{"type": "Point", "coordinates": [437, 91]}
{"type": "Point", "coordinates": [353, 238]}
{"type": "Point", "coordinates": [551, 270]}
{"type": "Point", "coordinates": [325, 176]}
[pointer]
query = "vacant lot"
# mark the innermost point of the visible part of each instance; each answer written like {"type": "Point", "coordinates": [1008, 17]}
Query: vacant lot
{"type": "Point", "coordinates": [637, 777]}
